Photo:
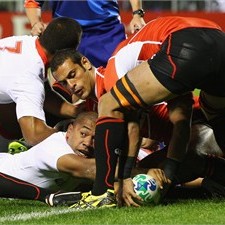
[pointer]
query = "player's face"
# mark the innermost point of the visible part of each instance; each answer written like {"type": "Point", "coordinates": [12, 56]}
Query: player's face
{"type": "Point", "coordinates": [75, 78]}
{"type": "Point", "coordinates": [80, 137]}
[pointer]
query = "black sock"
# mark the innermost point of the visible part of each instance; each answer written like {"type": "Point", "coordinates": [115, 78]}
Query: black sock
{"type": "Point", "coordinates": [11, 187]}
{"type": "Point", "coordinates": [215, 169]}
{"type": "Point", "coordinates": [170, 167]}
{"type": "Point", "coordinates": [109, 136]}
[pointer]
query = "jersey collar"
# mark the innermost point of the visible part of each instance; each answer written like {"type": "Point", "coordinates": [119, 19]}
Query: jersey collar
{"type": "Point", "coordinates": [41, 52]}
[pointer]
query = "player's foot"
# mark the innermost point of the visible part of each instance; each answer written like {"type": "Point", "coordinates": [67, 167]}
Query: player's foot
{"type": "Point", "coordinates": [89, 201]}
{"type": "Point", "coordinates": [18, 146]}
{"type": "Point", "coordinates": [63, 199]}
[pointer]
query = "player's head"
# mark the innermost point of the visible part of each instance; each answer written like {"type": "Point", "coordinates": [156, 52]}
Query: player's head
{"type": "Point", "coordinates": [61, 56]}
{"type": "Point", "coordinates": [74, 71]}
{"type": "Point", "coordinates": [80, 133]}
{"type": "Point", "coordinates": [61, 33]}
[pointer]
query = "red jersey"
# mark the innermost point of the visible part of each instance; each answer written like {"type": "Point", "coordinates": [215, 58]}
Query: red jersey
{"type": "Point", "coordinates": [140, 47]}
{"type": "Point", "coordinates": [145, 43]}
{"type": "Point", "coordinates": [92, 103]}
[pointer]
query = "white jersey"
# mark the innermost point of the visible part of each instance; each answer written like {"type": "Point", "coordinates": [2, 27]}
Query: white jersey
{"type": "Point", "coordinates": [22, 75]}
{"type": "Point", "coordinates": [38, 165]}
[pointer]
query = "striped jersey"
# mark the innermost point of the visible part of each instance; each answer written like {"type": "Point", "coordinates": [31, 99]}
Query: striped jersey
{"type": "Point", "coordinates": [145, 43]}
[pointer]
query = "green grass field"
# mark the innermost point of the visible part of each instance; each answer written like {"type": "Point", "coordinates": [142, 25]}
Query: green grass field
{"type": "Point", "coordinates": [179, 212]}
{"type": "Point", "coordinates": [192, 211]}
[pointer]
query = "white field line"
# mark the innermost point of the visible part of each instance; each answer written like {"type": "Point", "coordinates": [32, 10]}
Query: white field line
{"type": "Point", "coordinates": [35, 215]}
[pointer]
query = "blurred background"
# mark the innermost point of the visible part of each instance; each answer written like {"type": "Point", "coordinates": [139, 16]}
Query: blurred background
{"type": "Point", "coordinates": [158, 5]}
{"type": "Point", "coordinates": [14, 22]}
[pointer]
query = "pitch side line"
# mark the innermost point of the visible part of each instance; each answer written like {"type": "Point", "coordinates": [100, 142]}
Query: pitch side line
{"type": "Point", "coordinates": [32, 215]}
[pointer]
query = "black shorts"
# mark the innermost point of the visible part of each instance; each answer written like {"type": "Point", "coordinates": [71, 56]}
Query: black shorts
{"type": "Point", "coordinates": [192, 58]}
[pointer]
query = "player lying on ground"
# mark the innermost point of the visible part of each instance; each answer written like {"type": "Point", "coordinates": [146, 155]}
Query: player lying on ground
{"type": "Point", "coordinates": [200, 173]}
{"type": "Point", "coordinates": [202, 141]}
{"type": "Point", "coordinates": [57, 163]}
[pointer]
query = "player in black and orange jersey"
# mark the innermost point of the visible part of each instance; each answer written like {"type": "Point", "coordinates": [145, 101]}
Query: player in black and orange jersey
{"type": "Point", "coordinates": [167, 58]}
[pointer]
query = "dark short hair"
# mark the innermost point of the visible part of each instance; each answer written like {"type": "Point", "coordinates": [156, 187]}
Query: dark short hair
{"type": "Point", "coordinates": [87, 115]}
{"type": "Point", "coordinates": [61, 33]}
{"type": "Point", "coordinates": [82, 117]}
{"type": "Point", "coordinates": [62, 55]}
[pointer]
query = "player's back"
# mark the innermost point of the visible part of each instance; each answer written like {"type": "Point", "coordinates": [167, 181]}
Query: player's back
{"type": "Point", "coordinates": [160, 28]}
{"type": "Point", "coordinates": [17, 49]}
{"type": "Point", "coordinates": [20, 57]}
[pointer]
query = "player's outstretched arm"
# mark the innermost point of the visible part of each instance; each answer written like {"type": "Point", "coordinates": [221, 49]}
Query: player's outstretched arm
{"type": "Point", "coordinates": [180, 114]}
{"type": "Point", "coordinates": [77, 166]}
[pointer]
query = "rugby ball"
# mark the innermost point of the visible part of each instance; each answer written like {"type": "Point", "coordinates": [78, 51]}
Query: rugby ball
{"type": "Point", "coordinates": [146, 187]}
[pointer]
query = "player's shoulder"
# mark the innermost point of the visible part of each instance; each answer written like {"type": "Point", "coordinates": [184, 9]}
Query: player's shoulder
{"type": "Point", "coordinates": [19, 38]}
{"type": "Point", "coordinates": [56, 139]}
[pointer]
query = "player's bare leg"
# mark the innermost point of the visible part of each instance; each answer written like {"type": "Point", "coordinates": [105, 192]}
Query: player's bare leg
{"type": "Point", "coordinates": [148, 87]}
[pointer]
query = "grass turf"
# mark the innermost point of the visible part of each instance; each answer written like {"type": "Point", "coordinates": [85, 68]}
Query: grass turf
{"type": "Point", "coordinates": [188, 211]}
{"type": "Point", "coordinates": [192, 211]}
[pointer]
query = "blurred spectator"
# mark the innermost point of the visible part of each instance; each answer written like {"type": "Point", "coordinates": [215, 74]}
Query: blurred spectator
{"type": "Point", "coordinates": [153, 5]}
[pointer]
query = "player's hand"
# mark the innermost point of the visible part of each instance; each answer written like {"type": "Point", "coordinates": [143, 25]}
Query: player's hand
{"type": "Point", "coordinates": [38, 28]}
{"type": "Point", "coordinates": [136, 23]}
{"type": "Point", "coordinates": [159, 176]}
{"type": "Point", "coordinates": [128, 194]}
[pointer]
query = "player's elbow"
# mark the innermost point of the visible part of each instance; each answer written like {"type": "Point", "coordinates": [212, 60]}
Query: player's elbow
{"type": "Point", "coordinates": [108, 106]}
{"type": "Point", "coordinates": [32, 139]}
{"type": "Point", "coordinates": [35, 137]}
{"type": "Point", "coordinates": [88, 170]}
{"type": "Point", "coordinates": [34, 130]}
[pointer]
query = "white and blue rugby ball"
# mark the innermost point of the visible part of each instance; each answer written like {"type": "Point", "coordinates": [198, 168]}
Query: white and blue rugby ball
{"type": "Point", "coordinates": [146, 187]}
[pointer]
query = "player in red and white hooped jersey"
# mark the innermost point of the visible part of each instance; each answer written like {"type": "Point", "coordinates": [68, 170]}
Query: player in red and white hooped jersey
{"type": "Point", "coordinates": [52, 162]}
{"type": "Point", "coordinates": [23, 65]}
{"type": "Point", "coordinates": [58, 163]}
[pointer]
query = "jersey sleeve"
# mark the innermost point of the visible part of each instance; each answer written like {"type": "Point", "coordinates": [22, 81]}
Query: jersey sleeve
{"type": "Point", "coordinates": [28, 92]}
{"type": "Point", "coordinates": [50, 150]}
